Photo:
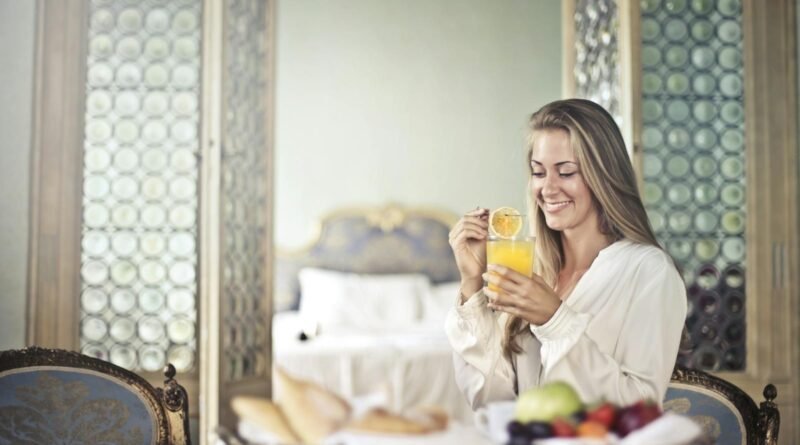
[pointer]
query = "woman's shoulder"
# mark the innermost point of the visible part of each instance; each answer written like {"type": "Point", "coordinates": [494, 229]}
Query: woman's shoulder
{"type": "Point", "coordinates": [646, 256]}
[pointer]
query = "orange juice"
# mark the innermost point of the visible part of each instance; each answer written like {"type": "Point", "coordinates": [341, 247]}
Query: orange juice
{"type": "Point", "coordinates": [515, 254]}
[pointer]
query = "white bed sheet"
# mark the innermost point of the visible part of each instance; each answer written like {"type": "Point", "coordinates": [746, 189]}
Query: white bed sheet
{"type": "Point", "coordinates": [407, 369]}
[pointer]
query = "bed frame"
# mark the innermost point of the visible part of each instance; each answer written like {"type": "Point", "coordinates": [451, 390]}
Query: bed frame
{"type": "Point", "coordinates": [390, 239]}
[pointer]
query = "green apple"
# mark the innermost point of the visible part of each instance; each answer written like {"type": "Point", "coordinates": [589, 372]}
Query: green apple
{"type": "Point", "coordinates": [547, 402]}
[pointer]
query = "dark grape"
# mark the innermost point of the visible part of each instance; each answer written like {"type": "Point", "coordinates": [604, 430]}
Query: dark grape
{"type": "Point", "coordinates": [578, 417]}
{"type": "Point", "coordinates": [539, 430]}
{"type": "Point", "coordinates": [516, 429]}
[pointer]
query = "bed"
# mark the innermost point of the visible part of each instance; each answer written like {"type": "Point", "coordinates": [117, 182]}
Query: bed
{"type": "Point", "coordinates": [361, 309]}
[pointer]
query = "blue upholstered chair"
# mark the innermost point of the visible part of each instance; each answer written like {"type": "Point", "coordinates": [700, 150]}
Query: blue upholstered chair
{"type": "Point", "coordinates": [726, 413]}
{"type": "Point", "coordinates": [50, 396]}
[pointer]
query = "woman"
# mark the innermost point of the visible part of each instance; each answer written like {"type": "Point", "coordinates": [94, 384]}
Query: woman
{"type": "Point", "coordinates": [604, 310]}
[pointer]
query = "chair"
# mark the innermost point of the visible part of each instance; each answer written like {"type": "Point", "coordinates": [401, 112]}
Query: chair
{"type": "Point", "coordinates": [52, 396]}
{"type": "Point", "coordinates": [725, 412]}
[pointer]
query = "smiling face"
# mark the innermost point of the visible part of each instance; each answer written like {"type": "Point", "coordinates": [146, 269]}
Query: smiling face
{"type": "Point", "coordinates": [558, 185]}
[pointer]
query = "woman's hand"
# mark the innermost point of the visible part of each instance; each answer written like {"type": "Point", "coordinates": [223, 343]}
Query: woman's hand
{"type": "Point", "coordinates": [528, 298]}
{"type": "Point", "coordinates": [468, 241]}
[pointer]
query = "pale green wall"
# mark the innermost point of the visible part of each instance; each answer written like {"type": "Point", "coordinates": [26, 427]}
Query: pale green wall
{"type": "Point", "coordinates": [420, 102]}
{"type": "Point", "coordinates": [16, 91]}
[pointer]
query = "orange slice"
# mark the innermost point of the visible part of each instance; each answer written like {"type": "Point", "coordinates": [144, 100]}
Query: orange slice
{"type": "Point", "coordinates": [505, 222]}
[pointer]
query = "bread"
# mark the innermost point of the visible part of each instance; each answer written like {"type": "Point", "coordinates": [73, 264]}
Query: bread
{"type": "Point", "coordinates": [379, 420]}
{"type": "Point", "coordinates": [266, 415]}
{"type": "Point", "coordinates": [311, 410]}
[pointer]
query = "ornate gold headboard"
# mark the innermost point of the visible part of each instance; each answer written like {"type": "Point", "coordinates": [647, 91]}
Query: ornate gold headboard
{"type": "Point", "coordinates": [373, 240]}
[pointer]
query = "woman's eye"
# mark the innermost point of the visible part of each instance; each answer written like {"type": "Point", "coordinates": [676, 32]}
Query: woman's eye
{"type": "Point", "coordinates": [566, 175]}
{"type": "Point", "coordinates": [538, 174]}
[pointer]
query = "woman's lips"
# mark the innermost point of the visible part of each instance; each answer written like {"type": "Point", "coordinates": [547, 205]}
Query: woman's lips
{"type": "Point", "coordinates": [553, 207]}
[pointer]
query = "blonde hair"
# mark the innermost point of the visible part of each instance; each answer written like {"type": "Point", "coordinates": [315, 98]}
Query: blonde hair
{"type": "Point", "coordinates": [606, 168]}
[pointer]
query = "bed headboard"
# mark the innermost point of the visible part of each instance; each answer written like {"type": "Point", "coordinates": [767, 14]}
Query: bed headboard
{"type": "Point", "coordinates": [375, 240]}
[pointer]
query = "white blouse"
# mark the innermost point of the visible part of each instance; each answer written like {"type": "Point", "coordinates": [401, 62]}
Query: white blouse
{"type": "Point", "coordinates": [616, 337]}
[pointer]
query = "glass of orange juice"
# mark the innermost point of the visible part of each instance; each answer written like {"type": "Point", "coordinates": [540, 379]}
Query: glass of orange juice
{"type": "Point", "coordinates": [509, 244]}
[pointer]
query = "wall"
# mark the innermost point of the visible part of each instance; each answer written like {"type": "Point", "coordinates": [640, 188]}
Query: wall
{"type": "Point", "coordinates": [17, 30]}
{"type": "Point", "coordinates": [416, 102]}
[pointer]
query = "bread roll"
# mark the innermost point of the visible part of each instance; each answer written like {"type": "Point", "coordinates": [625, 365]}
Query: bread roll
{"type": "Point", "coordinates": [311, 410]}
{"type": "Point", "coordinates": [265, 414]}
{"type": "Point", "coordinates": [379, 420]}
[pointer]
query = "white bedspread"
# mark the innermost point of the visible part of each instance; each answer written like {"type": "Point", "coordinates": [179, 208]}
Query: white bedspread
{"type": "Point", "coordinates": [403, 369]}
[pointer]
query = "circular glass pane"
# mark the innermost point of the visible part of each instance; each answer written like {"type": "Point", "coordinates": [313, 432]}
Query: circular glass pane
{"type": "Point", "coordinates": [705, 138]}
{"type": "Point", "coordinates": [678, 166]}
{"type": "Point", "coordinates": [122, 301]}
{"type": "Point", "coordinates": [182, 217]}
{"type": "Point", "coordinates": [185, 48]}
{"type": "Point", "coordinates": [703, 57]}
{"type": "Point", "coordinates": [675, 6]}
{"type": "Point", "coordinates": [733, 249]}
{"type": "Point", "coordinates": [150, 329]}
{"type": "Point", "coordinates": [125, 187]}
{"type": "Point", "coordinates": [156, 48]}
{"type": "Point", "coordinates": [184, 160]}
{"type": "Point", "coordinates": [97, 160]}
{"type": "Point", "coordinates": [702, 7]}
{"type": "Point", "coordinates": [184, 103]}
{"type": "Point", "coordinates": [677, 56]}
{"type": "Point", "coordinates": [730, 85]}
{"type": "Point", "coordinates": [95, 215]}
{"type": "Point", "coordinates": [651, 110]}
{"type": "Point", "coordinates": [126, 131]}
{"type": "Point", "coordinates": [153, 244]}
{"type": "Point", "coordinates": [184, 21]}
{"type": "Point", "coordinates": [123, 356]}
{"type": "Point", "coordinates": [154, 132]}
{"type": "Point", "coordinates": [155, 103]}
{"type": "Point", "coordinates": [705, 193]}
{"type": "Point", "coordinates": [122, 329]}
{"type": "Point", "coordinates": [704, 166]}
{"type": "Point", "coordinates": [153, 188]}
{"type": "Point", "coordinates": [704, 111]}
{"type": "Point", "coordinates": [180, 330]}
{"type": "Point", "coordinates": [184, 131]}
{"type": "Point", "coordinates": [95, 187]}
{"type": "Point", "coordinates": [95, 243]}
{"type": "Point", "coordinates": [650, 5]}
{"type": "Point", "coordinates": [732, 168]}
{"type": "Point", "coordinates": [732, 195]}
{"type": "Point", "coordinates": [98, 131]}
{"type": "Point", "coordinates": [157, 21]}
{"type": "Point", "coordinates": [102, 20]}
{"type": "Point", "coordinates": [151, 358]}
{"type": "Point", "coordinates": [95, 350]}
{"type": "Point", "coordinates": [678, 83]}
{"type": "Point", "coordinates": [702, 31]}
{"type": "Point", "coordinates": [123, 243]}
{"type": "Point", "coordinates": [182, 273]}
{"type": "Point", "coordinates": [678, 110]}
{"type": "Point", "coordinates": [680, 249]}
{"type": "Point", "coordinates": [180, 300]}
{"type": "Point", "coordinates": [650, 29]}
{"type": "Point", "coordinates": [679, 222]}
{"type": "Point", "coordinates": [93, 328]}
{"type": "Point", "coordinates": [652, 194]}
{"type": "Point", "coordinates": [656, 220]}
{"type": "Point", "coordinates": [93, 301]}
{"type": "Point", "coordinates": [100, 75]}
{"type": "Point", "coordinates": [100, 47]}
{"type": "Point", "coordinates": [129, 20]}
{"type": "Point", "coordinates": [729, 31]}
{"type": "Point", "coordinates": [156, 76]}
{"type": "Point", "coordinates": [123, 273]}
{"type": "Point", "coordinates": [182, 188]}
{"type": "Point", "coordinates": [128, 75]}
{"type": "Point", "coordinates": [128, 48]}
{"type": "Point", "coordinates": [732, 112]}
{"type": "Point", "coordinates": [152, 272]}
{"type": "Point", "coordinates": [729, 7]}
{"type": "Point", "coordinates": [651, 137]}
{"type": "Point", "coordinates": [151, 300]}
{"type": "Point", "coordinates": [182, 244]}
{"type": "Point", "coordinates": [98, 103]}
{"type": "Point", "coordinates": [181, 357]}
{"type": "Point", "coordinates": [94, 272]}
{"type": "Point", "coordinates": [154, 160]}
{"type": "Point", "coordinates": [732, 140]}
{"type": "Point", "coordinates": [651, 83]}
{"type": "Point", "coordinates": [124, 216]}
{"type": "Point", "coordinates": [678, 138]}
{"type": "Point", "coordinates": [704, 84]}
{"type": "Point", "coordinates": [705, 221]}
{"type": "Point", "coordinates": [706, 249]}
{"type": "Point", "coordinates": [733, 222]}
{"type": "Point", "coordinates": [675, 30]}
{"type": "Point", "coordinates": [652, 165]}
{"type": "Point", "coordinates": [153, 216]}
{"type": "Point", "coordinates": [679, 194]}
{"type": "Point", "coordinates": [730, 58]}
{"type": "Point", "coordinates": [651, 56]}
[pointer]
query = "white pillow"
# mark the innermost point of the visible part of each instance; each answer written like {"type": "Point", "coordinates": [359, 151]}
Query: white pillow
{"type": "Point", "coordinates": [441, 298]}
{"type": "Point", "coordinates": [340, 302]}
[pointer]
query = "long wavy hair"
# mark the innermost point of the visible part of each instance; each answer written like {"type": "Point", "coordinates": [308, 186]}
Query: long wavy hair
{"type": "Point", "coordinates": [606, 168]}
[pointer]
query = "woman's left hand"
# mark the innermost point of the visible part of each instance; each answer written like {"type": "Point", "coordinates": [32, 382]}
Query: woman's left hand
{"type": "Point", "coordinates": [529, 298]}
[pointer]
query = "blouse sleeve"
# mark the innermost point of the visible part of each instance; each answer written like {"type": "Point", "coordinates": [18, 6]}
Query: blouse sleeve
{"type": "Point", "coordinates": [482, 371]}
{"type": "Point", "coordinates": [646, 350]}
